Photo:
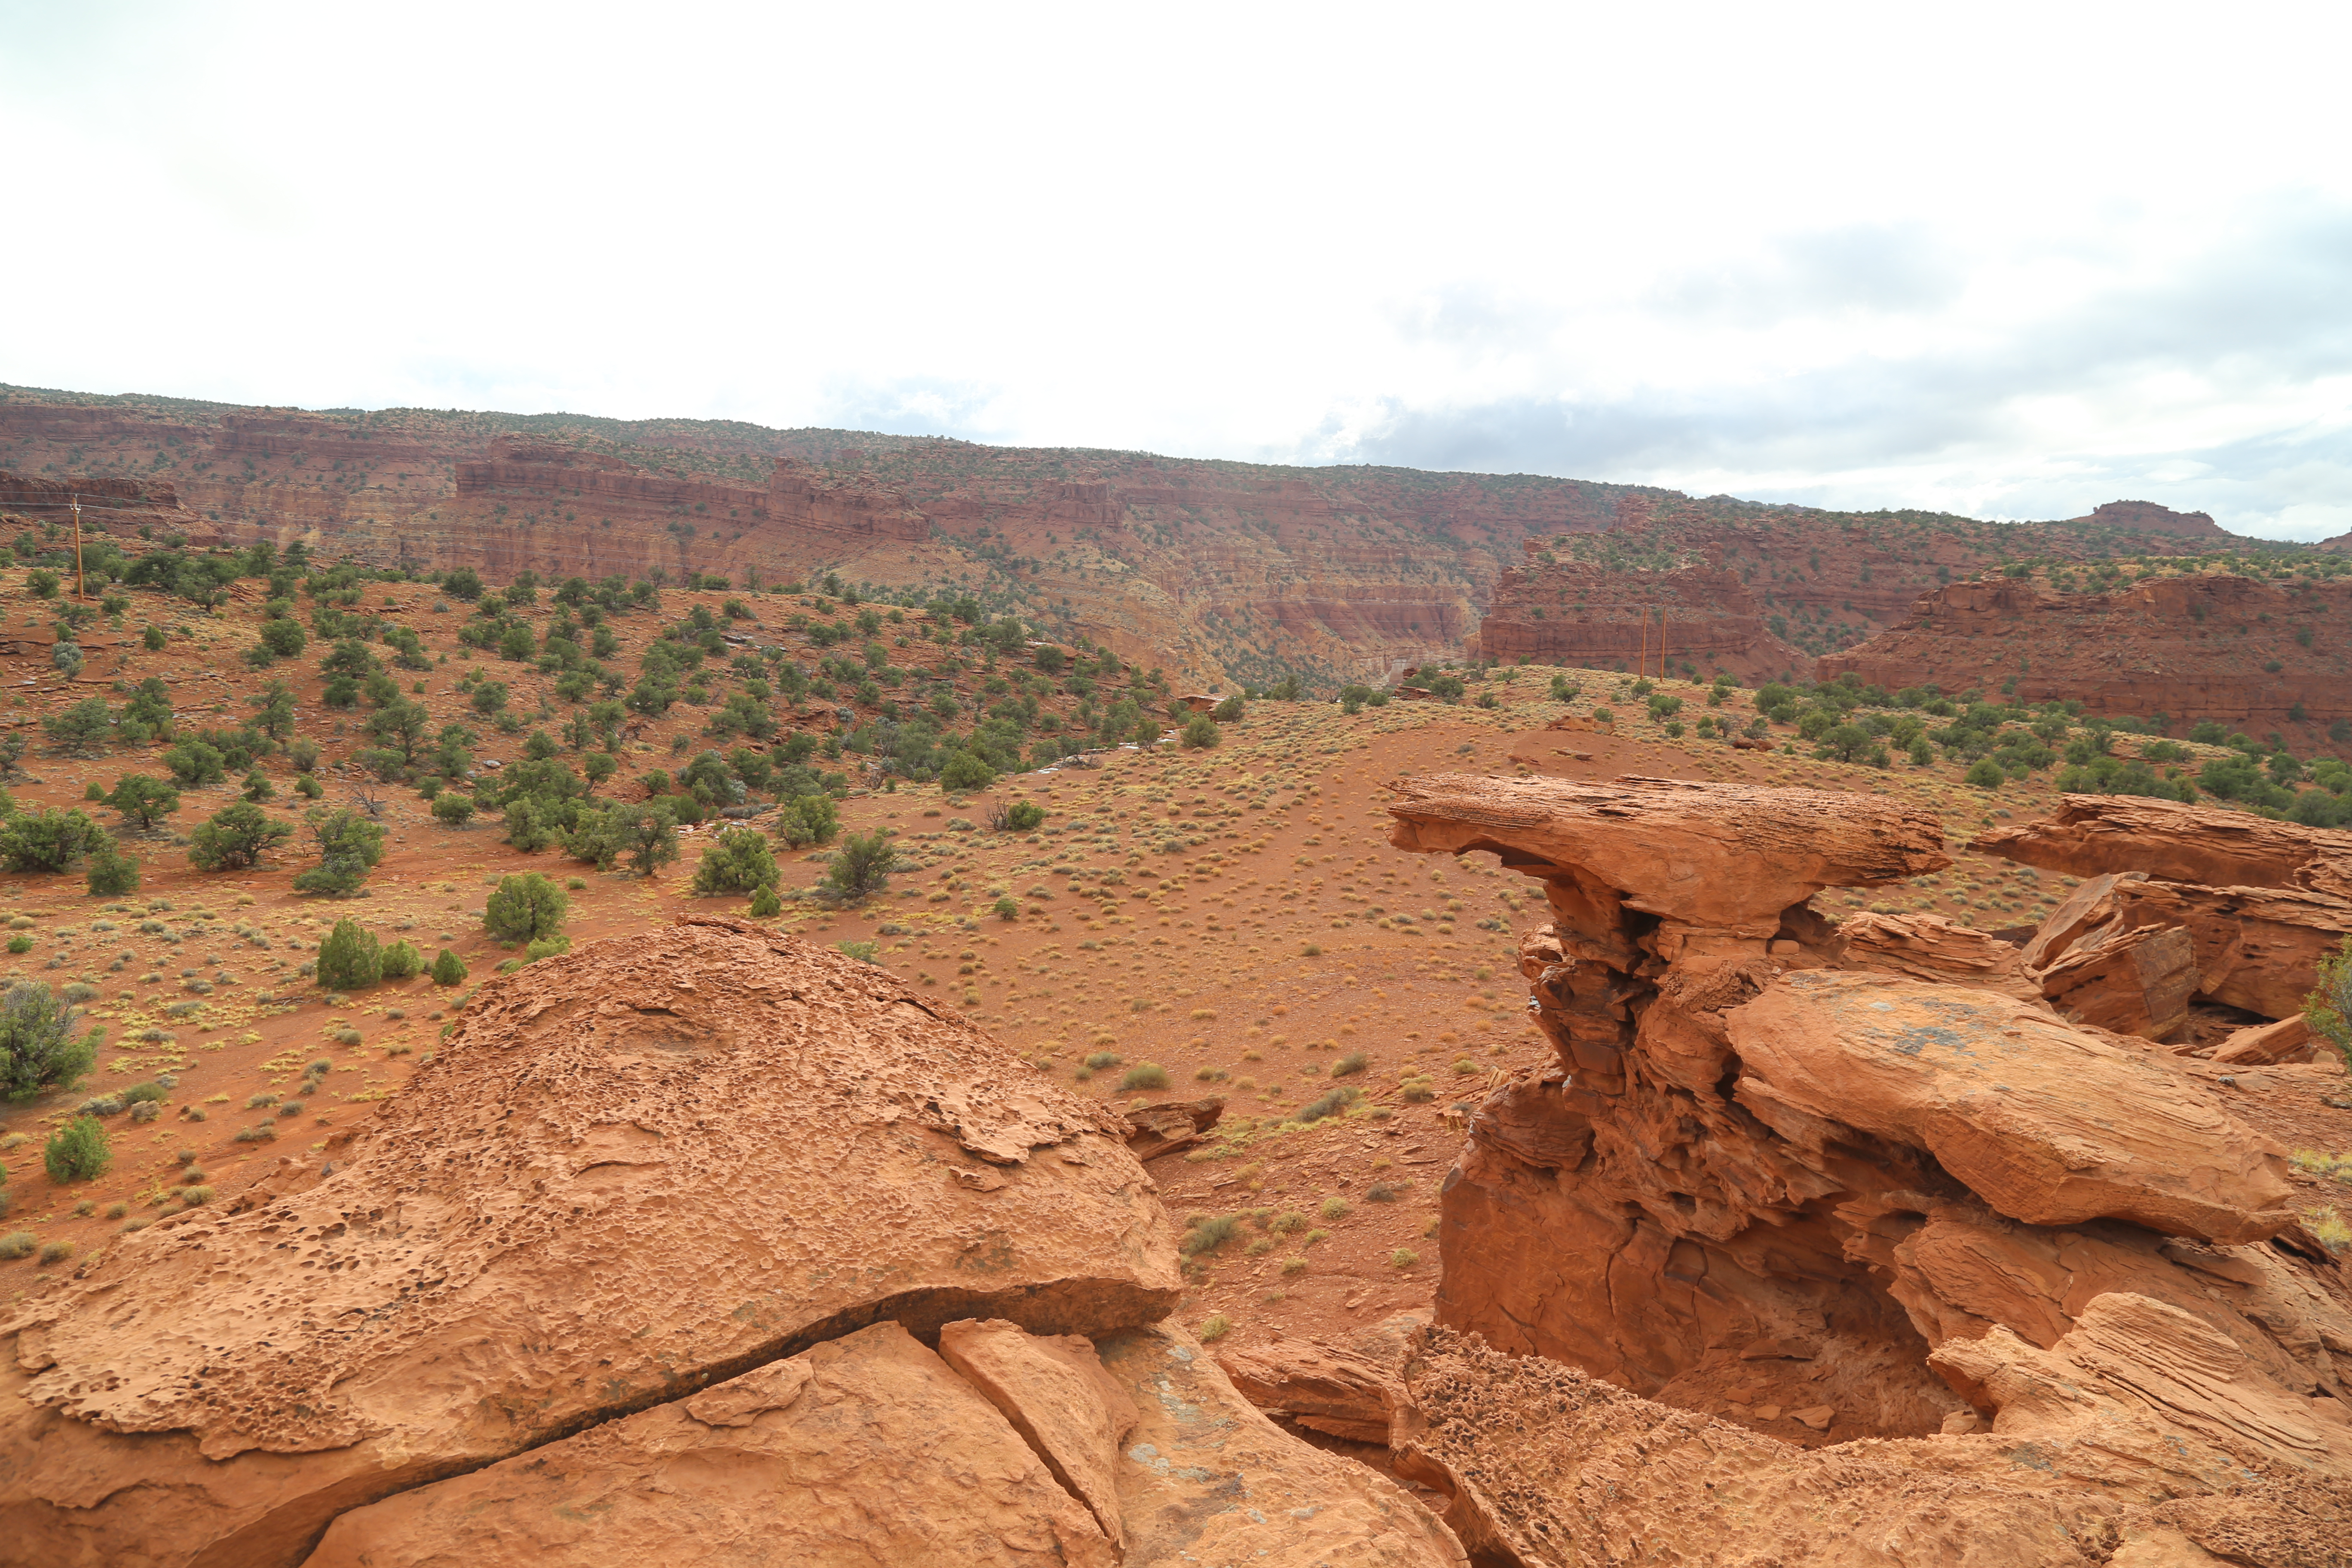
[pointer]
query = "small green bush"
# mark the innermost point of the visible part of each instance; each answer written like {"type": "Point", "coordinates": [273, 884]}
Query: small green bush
{"type": "Point", "coordinates": [1353, 1062]}
{"type": "Point", "coordinates": [77, 1152]}
{"type": "Point", "coordinates": [1101, 1059]}
{"type": "Point", "coordinates": [766, 901]}
{"type": "Point", "coordinates": [38, 1051]}
{"type": "Point", "coordinates": [1331, 1102]}
{"type": "Point", "coordinates": [1023, 816]}
{"type": "Point", "coordinates": [1145, 1075]}
{"type": "Point", "coordinates": [448, 969]}
{"type": "Point", "coordinates": [18, 1244]}
{"type": "Point", "coordinates": [1207, 1235]}
{"type": "Point", "coordinates": [1200, 733]}
{"type": "Point", "coordinates": [401, 960]}
{"type": "Point", "coordinates": [1986, 774]}
{"type": "Point", "coordinates": [1216, 1328]}
{"type": "Point", "coordinates": [525, 909]}
{"type": "Point", "coordinates": [350, 958]}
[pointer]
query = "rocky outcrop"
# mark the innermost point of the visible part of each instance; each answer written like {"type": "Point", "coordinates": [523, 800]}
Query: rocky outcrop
{"type": "Point", "coordinates": [2247, 654]}
{"type": "Point", "coordinates": [669, 1210]}
{"type": "Point", "coordinates": [2147, 517]}
{"type": "Point", "coordinates": [2096, 835]}
{"type": "Point", "coordinates": [1788, 1168]}
{"type": "Point", "coordinates": [1576, 613]}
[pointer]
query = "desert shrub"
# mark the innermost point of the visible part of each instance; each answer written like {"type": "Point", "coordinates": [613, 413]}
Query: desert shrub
{"type": "Point", "coordinates": [525, 909]}
{"type": "Point", "coordinates": [1145, 1075]}
{"type": "Point", "coordinates": [1101, 1059]}
{"type": "Point", "coordinates": [453, 809]}
{"type": "Point", "coordinates": [234, 838]}
{"type": "Point", "coordinates": [1206, 1234]}
{"type": "Point", "coordinates": [765, 902]}
{"type": "Point", "coordinates": [77, 1152]}
{"type": "Point", "coordinates": [38, 1051]}
{"type": "Point", "coordinates": [1353, 1062]}
{"type": "Point", "coordinates": [348, 846]}
{"type": "Point", "coordinates": [1331, 1102]}
{"type": "Point", "coordinates": [1006, 909]}
{"type": "Point", "coordinates": [2328, 1007]}
{"type": "Point", "coordinates": [1023, 817]}
{"type": "Point", "coordinates": [448, 969]}
{"type": "Point", "coordinates": [546, 947]}
{"type": "Point", "coordinates": [966, 771]}
{"type": "Point", "coordinates": [1333, 1208]}
{"type": "Point", "coordinates": [738, 861]}
{"type": "Point", "coordinates": [864, 952]}
{"type": "Point", "coordinates": [861, 867]}
{"type": "Point", "coordinates": [193, 763]}
{"type": "Point", "coordinates": [49, 840]}
{"type": "Point", "coordinates": [1383, 1193]}
{"type": "Point", "coordinates": [1200, 733]}
{"type": "Point", "coordinates": [400, 961]}
{"type": "Point", "coordinates": [809, 819]}
{"type": "Point", "coordinates": [111, 873]}
{"type": "Point", "coordinates": [348, 958]}
{"type": "Point", "coordinates": [18, 1244]}
{"type": "Point", "coordinates": [1987, 774]}
{"type": "Point", "coordinates": [1403, 1258]}
{"type": "Point", "coordinates": [260, 1132]}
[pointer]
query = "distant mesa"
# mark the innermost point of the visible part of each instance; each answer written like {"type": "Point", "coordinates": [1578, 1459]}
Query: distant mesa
{"type": "Point", "coordinates": [2147, 517]}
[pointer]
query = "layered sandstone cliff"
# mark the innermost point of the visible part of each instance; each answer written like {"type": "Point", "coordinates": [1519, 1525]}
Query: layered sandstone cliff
{"type": "Point", "coordinates": [2249, 655]}
{"type": "Point", "coordinates": [1577, 613]}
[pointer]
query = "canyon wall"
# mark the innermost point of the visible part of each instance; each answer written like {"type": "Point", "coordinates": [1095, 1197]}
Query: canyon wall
{"type": "Point", "coordinates": [1575, 613]}
{"type": "Point", "coordinates": [1220, 572]}
{"type": "Point", "coordinates": [2249, 655]}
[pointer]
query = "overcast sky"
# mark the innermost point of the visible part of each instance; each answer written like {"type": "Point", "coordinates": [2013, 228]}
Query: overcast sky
{"type": "Point", "coordinates": [2010, 261]}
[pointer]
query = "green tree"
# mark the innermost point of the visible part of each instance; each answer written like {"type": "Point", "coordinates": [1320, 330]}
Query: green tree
{"type": "Point", "coordinates": [2328, 1007]}
{"type": "Point", "coordinates": [258, 787]}
{"type": "Point", "coordinates": [448, 969]}
{"type": "Point", "coordinates": [766, 903]}
{"type": "Point", "coordinates": [598, 766]}
{"type": "Point", "coordinates": [49, 840]}
{"type": "Point", "coordinates": [453, 809]}
{"type": "Point", "coordinates": [1229, 712]}
{"type": "Point", "coordinates": [1987, 774]}
{"type": "Point", "coordinates": [525, 908]}
{"type": "Point", "coordinates": [465, 582]}
{"type": "Point", "coordinates": [193, 763]}
{"type": "Point", "coordinates": [809, 819]}
{"type": "Point", "coordinates": [738, 861]}
{"type": "Point", "coordinates": [401, 960]}
{"type": "Point", "coordinates": [276, 718]}
{"type": "Point", "coordinates": [861, 867]}
{"type": "Point", "coordinates": [82, 729]}
{"type": "Point", "coordinates": [348, 958]}
{"type": "Point", "coordinates": [1202, 733]}
{"type": "Point", "coordinates": [234, 838]}
{"type": "Point", "coordinates": [401, 724]}
{"type": "Point", "coordinates": [77, 1152]}
{"type": "Point", "coordinates": [349, 845]}
{"type": "Point", "coordinates": [143, 800]}
{"type": "Point", "coordinates": [966, 771]}
{"type": "Point", "coordinates": [283, 638]}
{"type": "Point", "coordinates": [39, 1048]}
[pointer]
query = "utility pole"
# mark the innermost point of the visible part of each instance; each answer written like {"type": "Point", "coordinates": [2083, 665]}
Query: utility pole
{"type": "Point", "coordinates": [1662, 642]}
{"type": "Point", "coordinates": [1642, 664]}
{"type": "Point", "coordinates": [79, 593]}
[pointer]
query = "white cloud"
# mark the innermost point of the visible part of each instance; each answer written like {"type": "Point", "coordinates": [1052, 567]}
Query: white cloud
{"type": "Point", "coordinates": [2016, 260]}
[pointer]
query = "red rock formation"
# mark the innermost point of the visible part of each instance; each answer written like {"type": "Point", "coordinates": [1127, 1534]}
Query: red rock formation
{"type": "Point", "coordinates": [108, 506]}
{"type": "Point", "coordinates": [2095, 835]}
{"type": "Point", "coordinates": [548, 1303]}
{"type": "Point", "coordinates": [1574, 612]}
{"type": "Point", "coordinates": [1766, 1139]}
{"type": "Point", "coordinates": [2191, 648]}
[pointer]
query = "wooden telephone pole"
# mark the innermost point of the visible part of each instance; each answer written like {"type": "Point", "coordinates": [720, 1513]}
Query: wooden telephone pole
{"type": "Point", "coordinates": [79, 593]}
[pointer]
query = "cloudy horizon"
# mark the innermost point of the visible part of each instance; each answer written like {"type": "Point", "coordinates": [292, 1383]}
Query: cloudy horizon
{"type": "Point", "coordinates": [2012, 262]}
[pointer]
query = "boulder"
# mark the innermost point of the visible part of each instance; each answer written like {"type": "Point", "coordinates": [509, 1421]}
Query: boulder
{"type": "Point", "coordinates": [1327, 1389]}
{"type": "Point", "coordinates": [2048, 1124]}
{"type": "Point", "coordinates": [651, 1167]}
{"type": "Point", "coordinates": [2132, 981]}
{"type": "Point", "coordinates": [2256, 948]}
{"type": "Point", "coordinates": [2268, 1044]}
{"type": "Point", "coordinates": [867, 1448]}
{"type": "Point", "coordinates": [1929, 947]}
{"type": "Point", "coordinates": [1172, 1124]}
{"type": "Point", "coordinates": [2095, 835]}
{"type": "Point", "coordinates": [1055, 1393]}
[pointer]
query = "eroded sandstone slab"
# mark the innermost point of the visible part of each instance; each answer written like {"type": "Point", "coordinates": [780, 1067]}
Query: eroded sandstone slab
{"type": "Point", "coordinates": [646, 1168]}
